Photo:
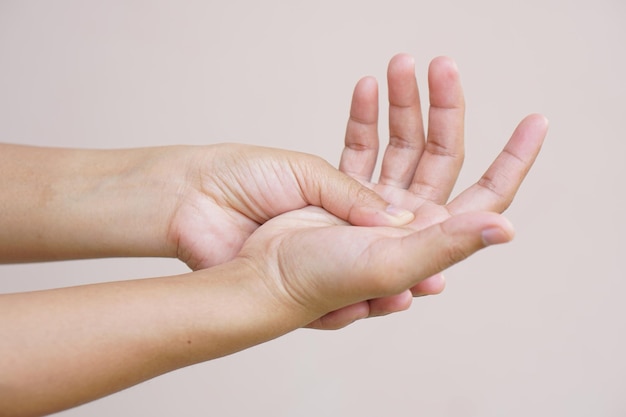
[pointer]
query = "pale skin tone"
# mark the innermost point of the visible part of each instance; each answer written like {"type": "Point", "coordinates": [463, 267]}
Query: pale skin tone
{"type": "Point", "coordinates": [267, 232]}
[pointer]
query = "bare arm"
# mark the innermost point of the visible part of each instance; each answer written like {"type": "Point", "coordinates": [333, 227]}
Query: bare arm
{"type": "Point", "coordinates": [195, 203]}
{"type": "Point", "coordinates": [70, 203]}
{"type": "Point", "coordinates": [60, 348]}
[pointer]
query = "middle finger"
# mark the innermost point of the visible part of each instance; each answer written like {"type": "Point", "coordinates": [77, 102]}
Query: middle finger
{"type": "Point", "coordinates": [406, 127]}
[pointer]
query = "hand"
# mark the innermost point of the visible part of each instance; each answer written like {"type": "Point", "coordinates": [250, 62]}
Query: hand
{"type": "Point", "coordinates": [419, 171]}
{"type": "Point", "coordinates": [232, 189]}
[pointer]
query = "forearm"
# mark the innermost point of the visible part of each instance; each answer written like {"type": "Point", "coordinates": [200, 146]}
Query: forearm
{"type": "Point", "coordinates": [63, 347]}
{"type": "Point", "coordinates": [70, 203]}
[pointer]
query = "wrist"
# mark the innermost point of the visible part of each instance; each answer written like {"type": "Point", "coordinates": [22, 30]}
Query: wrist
{"type": "Point", "coordinates": [227, 308]}
{"type": "Point", "coordinates": [105, 337]}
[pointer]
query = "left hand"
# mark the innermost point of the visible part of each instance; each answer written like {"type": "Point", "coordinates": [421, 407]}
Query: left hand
{"type": "Point", "coordinates": [227, 191]}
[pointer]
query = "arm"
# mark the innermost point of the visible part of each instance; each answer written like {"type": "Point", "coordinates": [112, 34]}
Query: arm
{"type": "Point", "coordinates": [60, 348]}
{"type": "Point", "coordinates": [70, 203]}
{"type": "Point", "coordinates": [102, 338]}
{"type": "Point", "coordinates": [167, 202]}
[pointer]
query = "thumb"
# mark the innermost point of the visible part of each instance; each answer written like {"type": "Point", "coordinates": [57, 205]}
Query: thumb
{"type": "Point", "coordinates": [401, 263]}
{"type": "Point", "coordinates": [348, 199]}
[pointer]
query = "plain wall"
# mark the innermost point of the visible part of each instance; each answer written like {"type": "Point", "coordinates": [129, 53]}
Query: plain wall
{"type": "Point", "coordinates": [535, 327]}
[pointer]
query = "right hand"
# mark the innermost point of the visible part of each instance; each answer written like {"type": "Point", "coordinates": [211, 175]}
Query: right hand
{"type": "Point", "coordinates": [420, 170]}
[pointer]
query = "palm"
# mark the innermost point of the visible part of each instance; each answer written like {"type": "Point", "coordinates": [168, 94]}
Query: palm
{"type": "Point", "coordinates": [367, 270]}
{"type": "Point", "coordinates": [239, 187]}
{"type": "Point", "coordinates": [283, 241]}
{"type": "Point", "coordinates": [217, 213]}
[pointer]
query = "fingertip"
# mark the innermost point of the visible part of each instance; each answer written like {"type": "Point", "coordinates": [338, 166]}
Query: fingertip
{"type": "Point", "coordinates": [536, 118]}
{"type": "Point", "coordinates": [444, 61]}
{"type": "Point", "coordinates": [503, 232]}
{"type": "Point", "coordinates": [405, 300]}
{"type": "Point", "coordinates": [364, 107]}
{"type": "Point", "coordinates": [540, 120]}
{"type": "Point", "coordinates": [530, 134]}
{"type": "Point", "coordinates": [444, 68]}
{"type": "Point", "coordinates": [389, 216]}
{"type": "Point", "coordinates": [391, 304]}
{"type": "Point", "coordinates": [367, 83]}
{"type": "Point", "coordinates": [399, 216]}
{"type": "Point", "coordinates": [445, 84]}
{"type": "Point", "coordinates": [400, 302]}
{"type": "Point", "coordinates": [432, 285]}
{"type": "Point", "coordinates": [403, 57]}
{"type": "Point", "coordinates": [342, 317]}
{"type": "Point", "coordinates": [400, 63]}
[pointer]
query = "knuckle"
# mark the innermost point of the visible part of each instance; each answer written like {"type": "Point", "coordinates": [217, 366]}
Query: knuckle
{"type": "Point", "coordinates": [454, 253]}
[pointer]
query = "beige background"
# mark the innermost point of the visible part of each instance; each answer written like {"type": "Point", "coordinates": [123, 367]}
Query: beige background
{"type": "Point", "coordinates": [533, 328]}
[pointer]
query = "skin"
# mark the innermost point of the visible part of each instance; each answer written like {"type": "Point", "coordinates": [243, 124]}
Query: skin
{"type": "Point", "coordinates": [195, 203]}
{"type": "Point", "coordinates": [420, 168]}
{"type": "Point", "coordinates": [258, 285]}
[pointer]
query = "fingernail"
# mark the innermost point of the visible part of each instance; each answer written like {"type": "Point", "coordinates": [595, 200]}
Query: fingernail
{"type": "Point", "coordinates": [495, 236]}
{"type": "Point", "coordinates": [399, 212]}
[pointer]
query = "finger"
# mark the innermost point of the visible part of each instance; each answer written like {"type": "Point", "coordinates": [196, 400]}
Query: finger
{"type": "Point", "coordinates": [396, 264]}
{"type": "Point", "coordinates": [373, 308]}
{"type": "Point", "coordinates": [430, 286]}
{"type": "Point", "coordinates": [326, 187]}
{"type": "Point", "coordinates": [342, 317]}
{"type": "Point", "coordinates": [442, 158]}
{"type": "Point", "coordinates": [391, 304]}
{"type": "Point", "coordinates": [359, 155]}
{"type": "Point", "coordinates": [497, 187]}
{"type": "Point", "coordinates": [406, 127]}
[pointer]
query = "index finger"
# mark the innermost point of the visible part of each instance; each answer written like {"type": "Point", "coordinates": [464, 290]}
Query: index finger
{"type": "Point", "coordinates": [497, 187]}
